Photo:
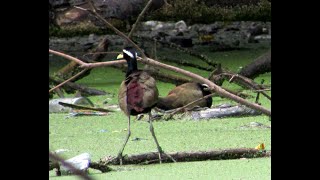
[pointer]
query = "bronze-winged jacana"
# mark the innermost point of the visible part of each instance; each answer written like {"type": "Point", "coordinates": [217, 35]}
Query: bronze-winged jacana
{"type": "Point", "coordinates": [138, 94]}
{"type": "Point", "coordinates": [184, 94]}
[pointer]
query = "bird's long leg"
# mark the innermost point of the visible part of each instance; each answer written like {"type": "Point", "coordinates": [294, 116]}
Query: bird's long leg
{"type": "Point", "coordinates": [125, 142]}
{"type": "Point", "coordinates": [154, 137]}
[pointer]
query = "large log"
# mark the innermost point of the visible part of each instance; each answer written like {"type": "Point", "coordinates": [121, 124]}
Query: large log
{"type": "Point", "coordinates": [259, 66]}
{"type": "Point", "coordinates": [153, 157]}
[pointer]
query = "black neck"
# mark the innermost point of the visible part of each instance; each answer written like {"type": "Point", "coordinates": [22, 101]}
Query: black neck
{"type": "Point", "coordinates": [132, 66]}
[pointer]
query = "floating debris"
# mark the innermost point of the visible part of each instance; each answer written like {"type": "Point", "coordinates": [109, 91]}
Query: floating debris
{"type": "Point", "coordinates": [255, 125]}
{"type": "Point", "coordinates": [80, 162]}
{"type": "Point", "coordinates": [86, 113]}
{"type": "Point", "coordinates": [59, 151]}
{"type": "Point", "coordinates": [138, 139]}
{"type": "Point", "coordinates": [103, 131]}
{"type": "Point", "coordinates": [55, 107]}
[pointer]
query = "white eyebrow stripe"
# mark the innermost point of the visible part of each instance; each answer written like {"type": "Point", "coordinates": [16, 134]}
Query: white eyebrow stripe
{"type": "Point", "coordinates": [206, 85]}
{"type": "Point", "coordinates": [128, 53]}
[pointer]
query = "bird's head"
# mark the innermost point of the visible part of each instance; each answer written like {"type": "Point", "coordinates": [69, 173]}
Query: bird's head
{"type": "Point", "coordinates": [128, 54]}
{"type": "Point", "coordinates": [205, 87]}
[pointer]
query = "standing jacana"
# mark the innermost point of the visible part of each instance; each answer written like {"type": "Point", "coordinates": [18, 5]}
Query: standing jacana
{"type": "Point", "coordinates": [138, 94]}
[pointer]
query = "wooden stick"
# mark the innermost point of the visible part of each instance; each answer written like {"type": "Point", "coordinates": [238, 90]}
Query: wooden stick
{"type": "Point", "coordinates": [241, 80]}
{"type": "Point", "coordinates": [139, 18]}
{"type": "Point", "coordinates": [85, 107]}
{"type": "Point", "coordinates": [81, 88]}
{"type": "Point", "coordinates": [73, 77]}
{"type": "Point", "coordinates": [97, 15]}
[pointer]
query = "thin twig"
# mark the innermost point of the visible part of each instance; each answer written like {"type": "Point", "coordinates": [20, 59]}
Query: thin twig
{"type": "Point", "coordinates": [179, 48]}
{"type": "Point", "coordinates": [155, 49]}
{"type": "Point", "coordinates": [139, 17]}
{"type": "Point", "coordinates": [87, 65]}
{"type": "Point", "coordinates": [110, 52]}
{"type": "Point", "coordinates": [85, 107]}
{"type": "Point", "coordinates": [69, 166]}
{"type": "Point", "coordinates": [67, 57]}
{"type": "Point", "coordinates": [260, 90]}
{"type": "Point", "coordinates": [97, 15]}
{"type": "Point", "coordinates": [243, 81]}
{"type": "Point", "coordinates": [73, 77]}
{"type": "Point", "coordinates": [258, 94]}
{"type": "Point", "coordinates": [77, 7]}
{"type": "Point", "coordinates": [235, 75]}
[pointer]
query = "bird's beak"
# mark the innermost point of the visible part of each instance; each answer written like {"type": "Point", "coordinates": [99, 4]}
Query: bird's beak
{"type": "Point", "coordinates": [120, 56]}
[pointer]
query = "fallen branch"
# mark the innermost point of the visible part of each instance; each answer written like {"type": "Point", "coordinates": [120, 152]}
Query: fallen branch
{"type": "Point", "coordinates": [220, 112]}
{"type": "Point", "coordinates": [86, 91]}
{"type": "Point", "coordinates": [70, 79]}
{"type": "Point", "coordinates": [259, 66]}
{"type": "Point", "coordinates": [100, 166]}
{"type": "Point", "coordinates": [56, 158]}
{"type": "Point", "coordinates": [244, 82]}
{"type": "Point", "coordinates": [219, 75]}
{"type": "Point", "coordinates": [87, 65]}
{"type": "Point", "coordinates": [153, 157]}
{"type": "Point", "coordinates": [85, 107]}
